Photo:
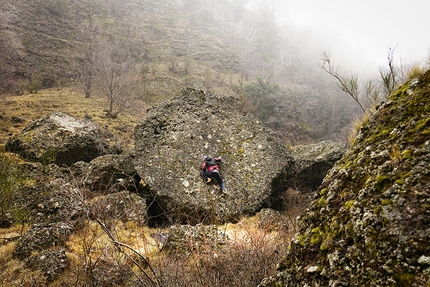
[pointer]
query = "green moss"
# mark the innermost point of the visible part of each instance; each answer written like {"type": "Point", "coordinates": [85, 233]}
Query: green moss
{"type": "Point", "coordinates": [400, 182]}
{"type": "Point", "coordinates": [349, 204]}
{"type": "Point", "coordinates": [422, 124]}
{"type": "Point", "coordinates": [316, 238]}
{"type": "Point", "coordinates": [302, 240]}
{"type": "Point", "coordinates": [400, 91]}
{"type": "Point", "coordinates": [381, 178]}
{"type": "Point", "coordinates": [317, 230]}
{"type": "Point", "coordinates": [322, 202]}
{"type": "Point", "coordinates": [383, 133]}
{"type": "Point", "coordinates": [386, 202]}
{"type": "Point", "coordinates": [407, 154]}
{"type": "Point", "coordinates": [323, 191]}
{"type": "Point", "coordinates": [404, 279]}
{"type": "Point", "coordinates": [349, 227]}
{"type": "Point", "coordinates": [324, 246]}
{"type": "Point", "coordinates": [377, 210]}
{"type": "Point", "coordinates": [28, 138]}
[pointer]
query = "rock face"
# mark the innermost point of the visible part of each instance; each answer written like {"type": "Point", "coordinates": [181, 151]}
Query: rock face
{"type": "Point", "coordinates": [314, 161]}
{"type": "Point", "coordinates": [369, 225]}
{"type": "Point", "coordinates": [107, 174]}
{"type": "Point", "coordinates": [171, 140]}
{"type": "Point", "coordinates": [59, 138]}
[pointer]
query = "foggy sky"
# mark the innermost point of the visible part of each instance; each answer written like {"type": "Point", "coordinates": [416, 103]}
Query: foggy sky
{"type": "Point", "coordinates": [367, 28]}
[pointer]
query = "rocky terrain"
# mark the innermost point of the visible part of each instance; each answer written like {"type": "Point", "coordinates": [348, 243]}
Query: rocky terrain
{"type": "Point", "coordinates": [369, 224]}
{"type": "Point", "coordinates": [77, 176]}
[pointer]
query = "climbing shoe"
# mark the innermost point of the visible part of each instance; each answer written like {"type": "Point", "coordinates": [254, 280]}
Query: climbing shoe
{"type": "Point", "coordinates": [208, 180]}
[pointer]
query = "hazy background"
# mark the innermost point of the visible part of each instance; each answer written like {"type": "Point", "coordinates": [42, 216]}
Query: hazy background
{"type": "Point", "coordinates": [362, 31]}
{"type": "Point", "coordinates": [268, 52]}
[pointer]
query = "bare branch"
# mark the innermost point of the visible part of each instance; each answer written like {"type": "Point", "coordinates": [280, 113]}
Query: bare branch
{"type": "Point", "coordinates": [347, 84]}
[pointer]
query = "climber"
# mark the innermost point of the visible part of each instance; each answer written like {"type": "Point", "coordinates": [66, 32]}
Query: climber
{"type": "Point", "coordinates": [210, 170]}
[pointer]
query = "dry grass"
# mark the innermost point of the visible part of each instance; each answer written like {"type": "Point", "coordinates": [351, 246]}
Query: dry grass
{"type": "Point", "coordinates": [250, 254]}
{"type": "Point", "coordinates": [34, 106]}
{"type": "Point", "coordinates": [12, 271]}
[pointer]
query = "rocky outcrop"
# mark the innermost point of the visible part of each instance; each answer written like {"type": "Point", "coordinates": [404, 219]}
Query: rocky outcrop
{"type": "Point", "coordinates": [314, 161]}
{"type": "Point", "coordinates": [107, 174]}
{"type": "Point", "coordinates": [51, 262]}
{"type": "Point", "coordinates": [42, 237]}
{"type": "Point", "coordinates": [59, 138]}
{"type": "Point", "coordinates": [171, 140]}
{"type": "Point", "coordinates": [369, 225]}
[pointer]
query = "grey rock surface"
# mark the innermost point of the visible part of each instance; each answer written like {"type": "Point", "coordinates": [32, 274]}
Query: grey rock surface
{"type": "Point", "coordinates": [314, 161]}
{"type": "Point", "coordinates": [59, 138]}
{"type": "Point", "coordinates": [369, 224]}
{"type": "Point", "coordinates": [107, 174]}
{"type": "Point", "coordinates": [173, 137]}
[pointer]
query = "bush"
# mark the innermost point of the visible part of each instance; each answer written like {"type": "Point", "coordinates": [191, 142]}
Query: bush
{"type": "Point", "coordinates": [10, 180]}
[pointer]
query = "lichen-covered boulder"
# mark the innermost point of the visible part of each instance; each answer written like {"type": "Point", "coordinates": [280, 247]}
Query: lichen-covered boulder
{"type": "Point", "coordinates": [107, 174]}
{"type": "Point", "coordinates": [171, 140]}
{"type": "Point", "coordinates": [53, 202]}
{"type": "Point", "coordinates": [369, 225]}
{"type": "Point", "coordinates": [42, 237]}
{"type": "Point", "coordinates": [314, 161]}
{"type": "Point", "coordinates": [52, 262]}
{"type": "Point", "coordinates": [59, 138]}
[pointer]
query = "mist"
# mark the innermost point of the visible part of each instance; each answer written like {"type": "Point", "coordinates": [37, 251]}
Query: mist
{"type": "Point", "coordinates": [268, 52]}
{"type": "Point", "coordinates": [361, 33]}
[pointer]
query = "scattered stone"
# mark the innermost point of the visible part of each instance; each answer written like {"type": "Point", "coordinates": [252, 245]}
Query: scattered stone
{"type": "Point", "coordinates": [51, 262]}
{"type": "Point", "coordinates": [40, 237]}
{"type": "Point", "coordinates": [107, 174]}
{"type": "Point", "coordinates": [124, 206]}
{"type": "Point", "coordinates": [17, 120]}
{"type": "Point", "coordinates": [183, 239]}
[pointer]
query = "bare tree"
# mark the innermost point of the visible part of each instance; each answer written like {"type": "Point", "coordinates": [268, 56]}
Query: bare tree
{"type": "Point", "coordinates": [86, 54]}
{"type": "Point", "coordinates": [116, 76]}
{"type": "Point", "coordinates": [390, 77]}
{"type": "Point", "coordinates": [373, 91]}
{"type": "Point", "coordinates": [348, 84]}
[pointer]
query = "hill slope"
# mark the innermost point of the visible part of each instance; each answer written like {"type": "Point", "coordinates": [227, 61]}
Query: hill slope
{"type": "Point", "coordinates": [369, 224]}
{"type": "Point", "coordinates": [214, 45]}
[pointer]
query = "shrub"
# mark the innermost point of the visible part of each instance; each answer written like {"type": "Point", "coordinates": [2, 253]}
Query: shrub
{"type": "Point", "coordinates": [10, 180]}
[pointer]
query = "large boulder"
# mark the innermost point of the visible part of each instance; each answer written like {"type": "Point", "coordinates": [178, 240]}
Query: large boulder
{"type": "Point", "coordinates": [59, 138]}
{"type": "Point", "coordinates": [369, 225]}
{"type": "Point", "coordinates": [171, 140]}
{"type": "Point", "coordinates": [314, 161]}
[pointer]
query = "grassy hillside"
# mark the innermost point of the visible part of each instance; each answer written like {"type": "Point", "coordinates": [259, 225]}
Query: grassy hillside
{"type": "Point", "coordinates": [18, 111]}
{"type": "Point", "coordinates": [44, 37]}
{"type": "Point", "coordinates": [214, 45]}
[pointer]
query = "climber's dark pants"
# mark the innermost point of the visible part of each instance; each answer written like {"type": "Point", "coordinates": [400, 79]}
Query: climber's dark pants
{"type": "Point", "coordinates": [211, 174]}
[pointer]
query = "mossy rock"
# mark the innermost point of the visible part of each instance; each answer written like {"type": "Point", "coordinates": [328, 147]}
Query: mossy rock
{"type": "Point", "coordinates": [375, 202]}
